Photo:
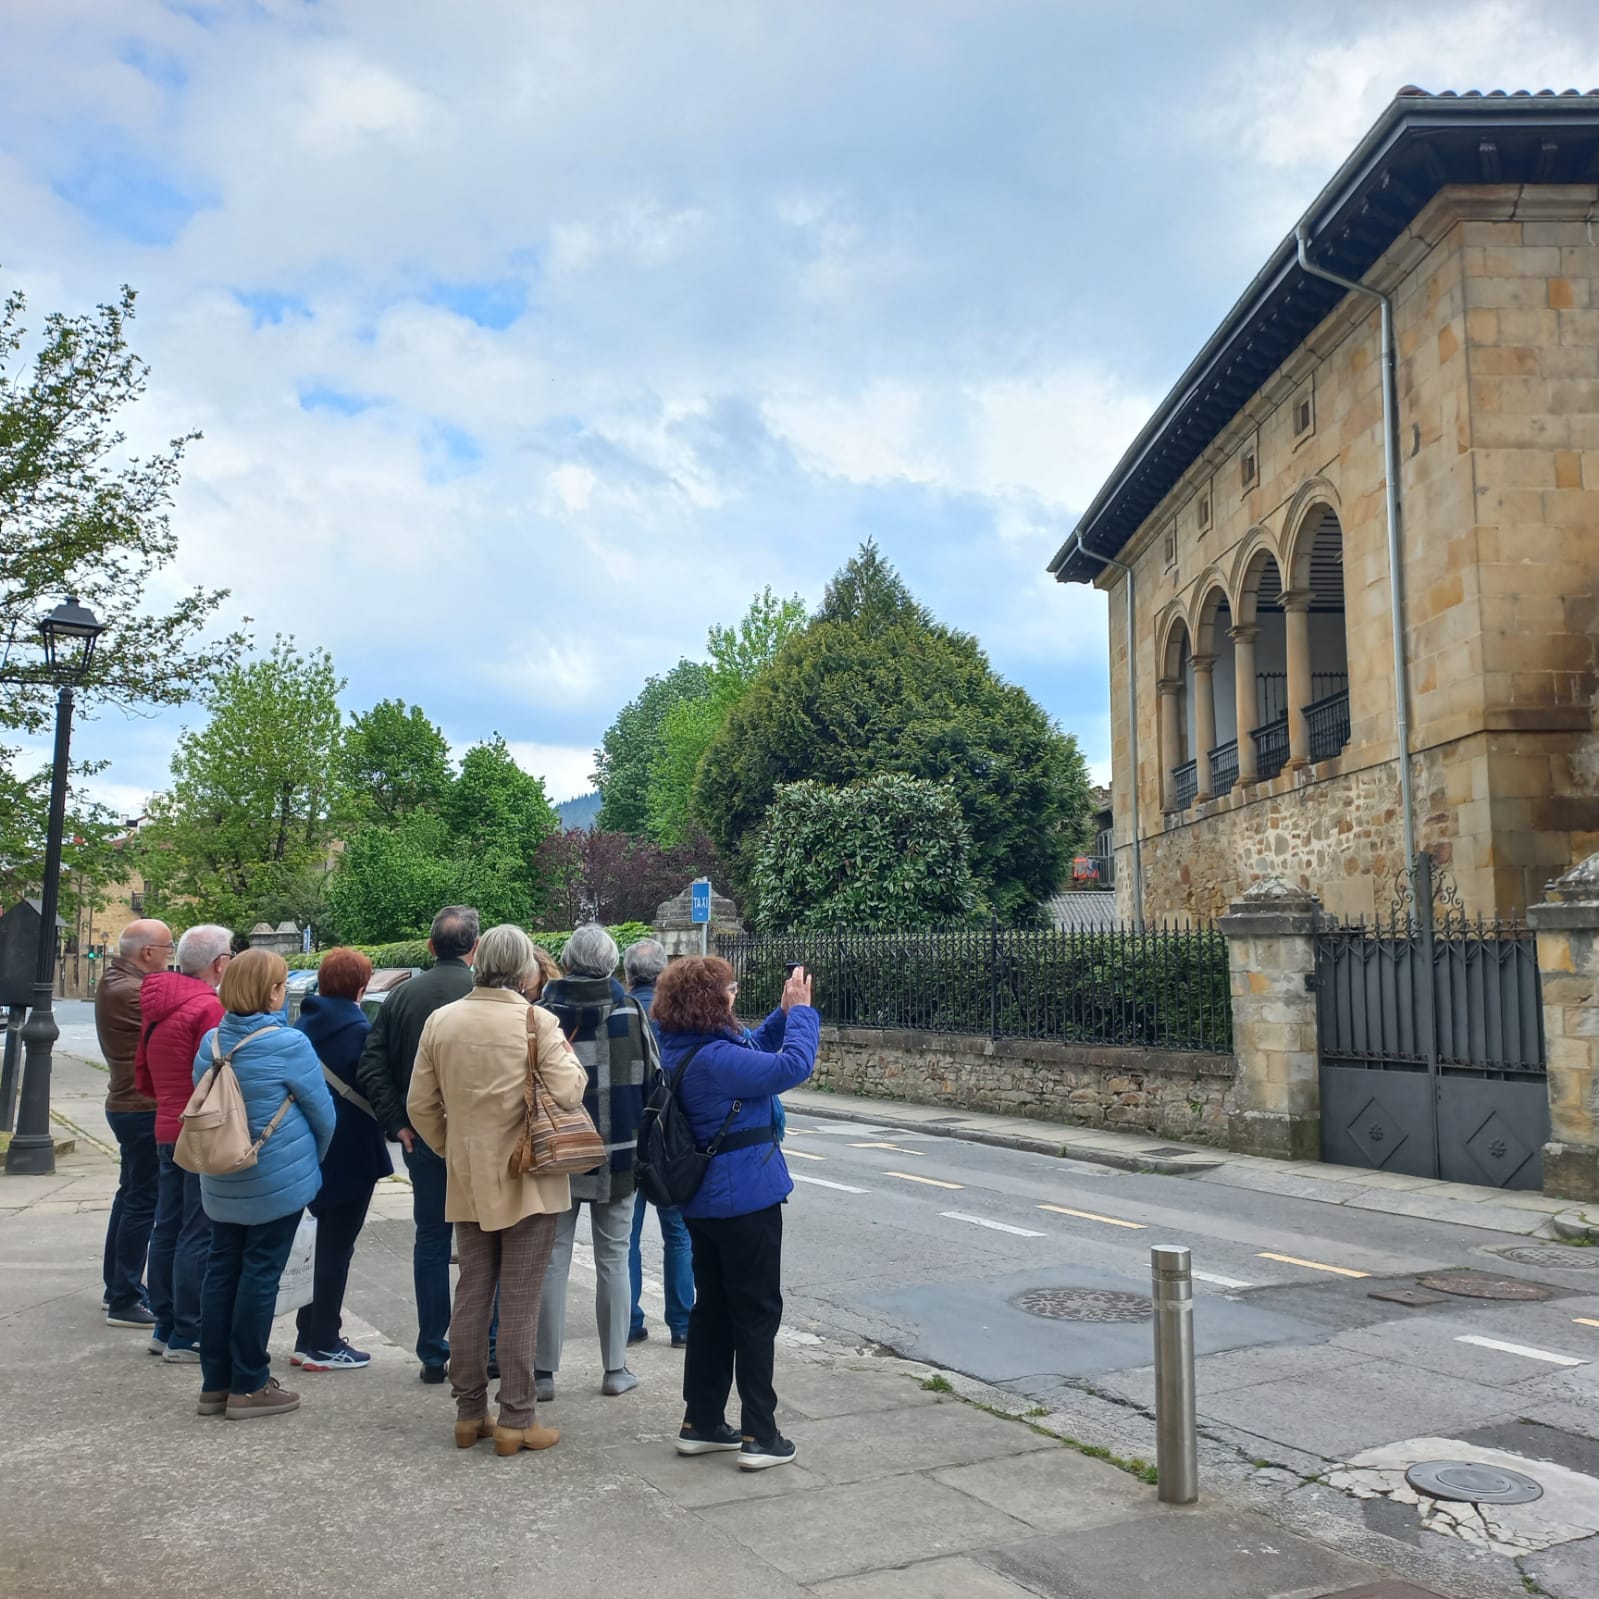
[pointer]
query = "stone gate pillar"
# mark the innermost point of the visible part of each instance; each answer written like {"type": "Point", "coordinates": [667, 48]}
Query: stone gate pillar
{"type": "Point", "coordinates": [1271, 953]}
{"type": "Point", "coordinates": [1567, 925]}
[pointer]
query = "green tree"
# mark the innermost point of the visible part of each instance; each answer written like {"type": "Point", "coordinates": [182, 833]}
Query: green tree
{"type": "Point", "coordinates": [393, 761]}
{"type": "Point", "coordinates": [249, 813]}
{"type": "Point", "coordinates": [622, 762]}
{"type": "Point", "coordinates": [856, 697]}
{"type": "Point", "coordinates": [498, 815]}
{"type": "Point", "coordinates": [888, 853]}
{"type": "Point", "coordinates": [867, 589]}
{"type": "Point", "coordinates": [738, 655]}
{"type": "Point", "coordinates": [391, 881]}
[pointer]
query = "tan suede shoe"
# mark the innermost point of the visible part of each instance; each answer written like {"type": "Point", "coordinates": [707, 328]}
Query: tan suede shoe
{"type": "Point", "coordinates": [508, 1440]}
{"type": "Point", "coordinates": [467, 1433]}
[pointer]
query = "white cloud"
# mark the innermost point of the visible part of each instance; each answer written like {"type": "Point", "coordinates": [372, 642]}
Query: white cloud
{"type": "Point", "coordinates": [564, 768]}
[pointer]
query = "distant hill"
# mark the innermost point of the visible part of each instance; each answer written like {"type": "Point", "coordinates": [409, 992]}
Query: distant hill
{"type": "Point", "coordinates": [579, 812]}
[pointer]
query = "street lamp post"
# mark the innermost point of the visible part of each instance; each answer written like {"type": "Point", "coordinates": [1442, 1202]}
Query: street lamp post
{"type": "Point", "coordinates": [69, 633]}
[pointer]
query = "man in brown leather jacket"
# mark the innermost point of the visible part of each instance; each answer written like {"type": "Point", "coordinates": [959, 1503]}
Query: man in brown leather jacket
{"type": "Point", "coordinates": [145, 947]}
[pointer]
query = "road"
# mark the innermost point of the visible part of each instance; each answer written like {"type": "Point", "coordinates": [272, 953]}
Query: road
{"type": "Point", "coordinates": [927, 1246]}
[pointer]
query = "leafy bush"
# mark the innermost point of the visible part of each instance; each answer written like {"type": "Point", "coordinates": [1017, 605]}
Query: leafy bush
{"type": "Point", "coordinates": [890, 852]}
{"type": "Point", "coordinates": [415, 952]}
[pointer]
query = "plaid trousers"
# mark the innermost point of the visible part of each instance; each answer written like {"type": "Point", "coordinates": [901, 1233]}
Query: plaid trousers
{"type": "Point", "coordinates": [514, 1260]}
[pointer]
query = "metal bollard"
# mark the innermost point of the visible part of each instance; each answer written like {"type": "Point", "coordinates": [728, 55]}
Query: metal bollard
{"type": "Point", "coordinates": [1176, 1431]}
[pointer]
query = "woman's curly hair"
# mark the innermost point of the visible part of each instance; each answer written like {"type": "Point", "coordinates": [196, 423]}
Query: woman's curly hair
{"type": "Point", "coordinates": [692, 997]}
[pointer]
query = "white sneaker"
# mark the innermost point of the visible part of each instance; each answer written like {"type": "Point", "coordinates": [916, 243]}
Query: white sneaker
{"type": "Point", "coordinates": [181, 1356]}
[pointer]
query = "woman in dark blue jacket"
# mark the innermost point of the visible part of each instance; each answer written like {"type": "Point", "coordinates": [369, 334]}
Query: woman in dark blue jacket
{"type": "Point", "coordinates": [729, 1087]}
{"type": "Point", "coordinates": [357, 1158]}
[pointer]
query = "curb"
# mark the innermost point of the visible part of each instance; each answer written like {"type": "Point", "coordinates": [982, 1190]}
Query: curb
{"type": "Point", "coordinates": [1157, 1165]}
{"type": "Point", "coordinates": [1575, 1227]}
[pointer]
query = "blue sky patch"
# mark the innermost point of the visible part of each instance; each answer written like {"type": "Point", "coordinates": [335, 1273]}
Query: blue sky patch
{"type": "Point", "coordinates": [490, 305]}
{"type": "Point", "coordinates": [319, 397]}
{"type": "Point", "coordinates": [270, 306]}
{"type": "Point", "coordinates": [150, 61]}
{"type": "Point", "coordinates": [127, 194]}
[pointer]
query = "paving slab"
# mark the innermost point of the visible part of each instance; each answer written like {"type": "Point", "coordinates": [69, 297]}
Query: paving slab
{"type": "Point", "coordinates": [1052, 1492]}
{"type": "Point", "coordinates": [1568, 1571]}
{"type": "Point", "coordinates": [844, 1531]}
{"type": "Point", "coordinates": [818, 1394]}
{"type": "Point", "coordinates": [956, 1578]}
{"type": "Point", "coordinates": [1238, 1368]}
{"type": "Point", "coordinates": [1198, 1554]}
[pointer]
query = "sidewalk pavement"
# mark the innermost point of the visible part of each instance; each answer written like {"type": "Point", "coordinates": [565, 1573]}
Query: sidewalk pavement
{"type": "Point", "coordinates": [900, 1490]}
{"type": "Point", "coordinates": [1498, 1209]}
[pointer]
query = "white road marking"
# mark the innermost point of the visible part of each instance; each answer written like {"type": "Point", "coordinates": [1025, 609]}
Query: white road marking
{"type": "Point", "coordinates": [894, 1147]}
{"type": "Point", "coordinates": [997, 1226]}
{"type": "Point", "coordinates": [1220, 1282]}
{"type": "Point", "coordinates": [1519, 1349]}
{"type": "Point", "coordinates": [803, 1154]}
{"type": "Point", "coordinates": [822, 1182]}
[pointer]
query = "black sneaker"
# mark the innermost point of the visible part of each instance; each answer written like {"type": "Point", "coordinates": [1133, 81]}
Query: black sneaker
{"type": "Point", "coordinates": [435, 1373]}
{"type": "Point", "coordinates": [134, 1316]}
{"type": "Point", "coordinates": [707, 1440]}
{"type": "Point", "coordinates": [638, 1337]}
{"type": "Point", "coordinates": [776, 1451]}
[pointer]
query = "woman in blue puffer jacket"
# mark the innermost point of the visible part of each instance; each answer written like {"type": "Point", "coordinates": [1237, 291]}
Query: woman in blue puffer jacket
{"type": "Point", "coordinates": [728, 1089]}
{"type": "Point", "coordinates": [254, 1212]}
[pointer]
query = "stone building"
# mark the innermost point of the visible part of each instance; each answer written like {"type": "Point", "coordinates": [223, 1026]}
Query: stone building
{"type": "Point", "coordinates": [1257, 695]}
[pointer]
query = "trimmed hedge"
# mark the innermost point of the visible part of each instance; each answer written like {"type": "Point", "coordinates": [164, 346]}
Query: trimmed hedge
{"type": "Point", "coordinates": [414, 951]}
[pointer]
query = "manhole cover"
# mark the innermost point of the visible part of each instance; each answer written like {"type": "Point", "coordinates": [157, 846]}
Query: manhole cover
{"type": "Point", "coordinates": [1473, 1285]}
{"type": "Point", "coordinates": [1085, 1304]}
{"type": "Point", "coordinates": [1551, 1255]}
{"type": "Point", "coordinates": [1472, 1482]}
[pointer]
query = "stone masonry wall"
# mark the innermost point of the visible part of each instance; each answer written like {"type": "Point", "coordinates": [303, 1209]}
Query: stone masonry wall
{"type": "Point", "coordinates": [1165, 1093]}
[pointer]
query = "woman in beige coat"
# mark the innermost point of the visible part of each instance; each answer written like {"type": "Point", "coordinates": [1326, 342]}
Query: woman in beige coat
{"type": "Point", "coordinates": [467, 1101]}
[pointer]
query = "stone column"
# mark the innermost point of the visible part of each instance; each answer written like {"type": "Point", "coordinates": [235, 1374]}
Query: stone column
{"type": "Point", "coordinates": [1171, 739]}
{"type": "Point", "coordinates": [1297, 608]}
{"type": "Point", "coordinates": [1567, 925]}
{"type": "Point", "coordinates": [1244, 697]}
{"type": "Point", "coordinates": [1271, 950]}
{"type": "Point", "coordinates": [1204, 724]}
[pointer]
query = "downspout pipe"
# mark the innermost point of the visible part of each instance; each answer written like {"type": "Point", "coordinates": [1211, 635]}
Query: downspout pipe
{"type": "Point", "coordinates": [1396, 578]}
{"type": "Point", "coordinates": [1132, 739]}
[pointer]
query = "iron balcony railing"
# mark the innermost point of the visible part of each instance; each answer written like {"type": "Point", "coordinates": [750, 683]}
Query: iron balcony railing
{"type": "Point", "coordinates": [1165, 988]}
{"type": "Point", "coordinates": [1328, 722]}
{"type": "Point", "coordinates": [1185, 784]}
{"type": "Point", "coordinates": [1224, 768]}
{"type": "Point", "coordinates": [1271, 748]}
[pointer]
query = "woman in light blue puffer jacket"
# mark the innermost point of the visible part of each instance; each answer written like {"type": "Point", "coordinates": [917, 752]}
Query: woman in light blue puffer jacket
{"type": "Point", "coordinates": [254, 1212]}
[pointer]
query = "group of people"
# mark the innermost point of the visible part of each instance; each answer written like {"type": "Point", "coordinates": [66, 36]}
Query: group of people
{"type": "Point", "coordinates": [444, 1073]}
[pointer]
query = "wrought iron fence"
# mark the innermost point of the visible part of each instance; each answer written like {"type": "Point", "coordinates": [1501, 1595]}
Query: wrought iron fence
{"type": "Point", "coordinates": [1185, 784]}
{"type": "Point", "coordinates": [1328, 723]}
{"type": "Point", "coordinates": [1224, 768]}
{"type": "Point", "coordinates": [1165, 988]}
{"type": "Point", "coordinates": [1271, 749]}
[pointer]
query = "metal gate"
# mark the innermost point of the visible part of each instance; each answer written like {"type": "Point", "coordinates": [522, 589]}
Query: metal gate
{"type": "Point", "coordinates": [1431, 1042]}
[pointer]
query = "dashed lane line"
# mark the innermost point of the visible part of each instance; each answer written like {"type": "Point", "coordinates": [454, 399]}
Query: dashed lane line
{"type": "Point", "coordinates": [1089, 1215]}
{"type": "Point", "coordinates": [1313, 1265]}
{"type": "Point", "coordinates": [822, 1182]}
{"type": "Point", "coordinates": [895, 1148]}
{"type": "Point", "coordinates": [1519, 1349]}
{"type": "Point", "coordinates": [1585, 1321]}
{"type": "Point", "coordinates": [1220, 1282]}
{"type": "Point", "coordinates": [803, 1154]}
{"type": "Point", "coordinates": [931, 1182]}
{"type": "Point", "coordinates": [996, 1226]}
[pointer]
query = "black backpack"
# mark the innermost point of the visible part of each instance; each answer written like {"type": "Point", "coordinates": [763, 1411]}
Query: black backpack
{"type": "Point", "coordinates": [671, 1165]}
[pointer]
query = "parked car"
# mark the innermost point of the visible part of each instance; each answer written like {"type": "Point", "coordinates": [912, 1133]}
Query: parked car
{"type": "Point", "coordinates": [382, 984]}
{"type": "Point", "coordinates": [300, 984]}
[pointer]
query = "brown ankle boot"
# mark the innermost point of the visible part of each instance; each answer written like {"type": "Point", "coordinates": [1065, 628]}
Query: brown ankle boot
{"type": "Point", "coordinates": [508, 1440]}
{"type": "Point", "coordinates": [467, 1433]}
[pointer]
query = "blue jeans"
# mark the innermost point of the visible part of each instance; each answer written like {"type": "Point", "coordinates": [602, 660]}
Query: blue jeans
{"type": "Point", "coordinates": [178, 1249]}
{"type": "Point", "coordinates": [679, 1272]}
{"type": "Point", "coordinates": [318, 1325]}
{"type": "Point", "coordinates": [430, 1255]}
{"type": "Point", "coordinates": [241, 1292]}
{"type": "Point", "coordinates": [127, 1239]}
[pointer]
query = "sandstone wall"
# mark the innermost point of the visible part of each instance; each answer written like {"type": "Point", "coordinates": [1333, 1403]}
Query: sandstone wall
{"type": "Point", "coordinates": [1168, 1094]}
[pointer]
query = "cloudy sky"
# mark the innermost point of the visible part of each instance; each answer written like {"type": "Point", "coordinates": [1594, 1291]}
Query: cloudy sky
{"type": "Point", "coordinates": [530, 336]}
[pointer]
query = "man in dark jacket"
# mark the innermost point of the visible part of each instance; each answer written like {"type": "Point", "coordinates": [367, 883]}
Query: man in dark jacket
{"type": "Point", "coordinates": [179, 1009]}
{"type": "Point", "coordinates": [385, 1078]}
{"type": "Point", "coordinates": [145, 946]}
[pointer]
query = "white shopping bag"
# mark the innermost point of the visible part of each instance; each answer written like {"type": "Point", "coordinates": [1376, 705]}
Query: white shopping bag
{"type": "Point", "coordinates": [294, 1286]}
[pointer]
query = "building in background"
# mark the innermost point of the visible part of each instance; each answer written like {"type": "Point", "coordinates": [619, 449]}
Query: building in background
{"type": "Point", "coordinates": [1251, 517]}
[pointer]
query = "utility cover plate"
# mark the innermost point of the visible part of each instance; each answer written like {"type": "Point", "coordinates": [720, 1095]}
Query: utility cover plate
{"type": "Point", "coordinates": [1474, 1285]}
{"type": "Point", "coordinates": [1408, 1296]}
{"type": "Point", "coordinates": [1471, 1482]}
{"type": "Point", "coordinates": [1085, 1304]}
{"type": "Point", "coordinates": [1566, 1258]}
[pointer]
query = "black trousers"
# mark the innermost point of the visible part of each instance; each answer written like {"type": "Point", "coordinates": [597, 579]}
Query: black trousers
{"type": "Point", "coordinates": [732, 1329]}
{"type": "Point", "coordinates": [318, 1324]}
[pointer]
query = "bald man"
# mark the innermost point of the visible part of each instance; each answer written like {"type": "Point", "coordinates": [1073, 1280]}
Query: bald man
{"type": "Point", "coordinates": [145, 947]}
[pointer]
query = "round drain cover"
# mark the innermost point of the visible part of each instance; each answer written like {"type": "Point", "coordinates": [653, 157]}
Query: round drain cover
{"type": "Point", "coordinates": [1565, 1258]}
{"type": "Point", "coordinates": [1473, 1285]}
{"type": "Point", "coordinates": [1085, 1304]}
{"type": "Point", "coordinates": [1472, 1482]}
